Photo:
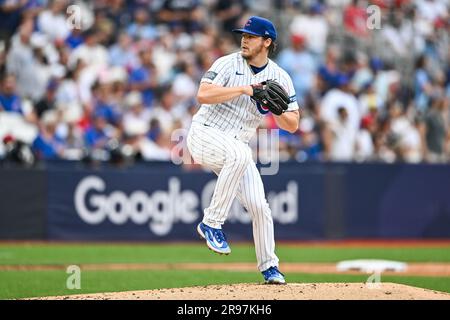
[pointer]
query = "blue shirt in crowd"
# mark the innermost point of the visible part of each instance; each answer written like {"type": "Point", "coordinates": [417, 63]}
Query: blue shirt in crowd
{"type": "Point", "coordinates": [11, 103]}
{"type": "Point", "coordinates": [139, 75]}
{"type": "Point", "coordinates": [93, 136]}
{"type": "Point", "coordinates": [47, 149]}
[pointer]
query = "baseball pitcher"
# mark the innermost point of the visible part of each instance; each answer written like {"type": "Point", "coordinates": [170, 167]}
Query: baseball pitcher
{"type": "Point", "coordinates": [235, 94]}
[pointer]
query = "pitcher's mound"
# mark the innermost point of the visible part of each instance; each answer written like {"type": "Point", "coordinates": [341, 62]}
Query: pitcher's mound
{"type": "Point", "coordinates": [292, 291]}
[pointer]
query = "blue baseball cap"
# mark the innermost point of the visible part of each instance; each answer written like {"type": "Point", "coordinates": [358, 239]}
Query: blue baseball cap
{"type": "Point", "coordinates": [259, 26]}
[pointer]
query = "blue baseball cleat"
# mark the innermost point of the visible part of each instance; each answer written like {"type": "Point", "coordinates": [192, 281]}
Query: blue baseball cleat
{"type": "Point", "coordinates": [215, 238]}
{"type": "Point", "coordinates": [273, 276]}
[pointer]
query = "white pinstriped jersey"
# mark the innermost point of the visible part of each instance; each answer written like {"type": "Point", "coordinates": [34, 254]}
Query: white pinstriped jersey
{"type": "Point", "coordinates": [241, 115]}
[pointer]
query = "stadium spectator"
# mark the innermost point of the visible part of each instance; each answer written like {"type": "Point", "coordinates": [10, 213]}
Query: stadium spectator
{"type": "Point", "coordinates": [313, 26]}
{"type": "Point", "coordinates": [390, 86]}
{"type": "Point", "coordinates": [228, 13]}
{"type": "Point", "coordinates": [184, 84]}
{"type": "Point", "coordinates": [144, 78]}
{"type": "Point", "coordinates": [341, 97]}
{"type": "Point", "coordinates": [68, 97]}
{"type": "Point", "coordinates": [364, 148]}
{"type": "Point", "coordinates": [91, 52]}
{"type": "Point", "coordinates": [432, 10]}
{"type": "Point", "coordinates": [423, 85]}
{"type": "Point", "coordinates": [329, 72]}
{"type": "Point", "coordinates": [20, 59]}
{"type": "Point", "coordinates": [398, 35]}
{"type": "Point", "coordinates": [340, 137]}
{"type": "Point", "coordinates": [136, 119]}
{"type": "Point", "coordinates": [123, 53]}
{"type": "Point", "coordinates": [300, 64]}
{"type": "Point", "coordinates": [48, 101]}
{"type": "Point", "coordinates": [437, 133]}
{"type": "Point", "coordinates": [72, 134]}
{"type": "Point", "coordinates": [310, 143]}
{"type": "Point", "coordinates": [355, 17]}
{"type": "Point", "coordinates": [10, 18]}
{"type": "Point", "coordinates": [48, 144]}
{"type": "Point", "coordinates": [164, 111]}
{"type": "Point", "coordinates": [52, 22]}
{"type": "Point", "coordinates": [117, 11]}
{"type": "Point", "coordinates": [141, 28]}
{"type": "Point", "coordinates": [9, 100]}
{"type": "Point", "coordinates": [385, 79]}
{"type": "Point", "coordinates": [155, 146]}
{"type": "Point", "coordinates": [75, 38]}
{"type": "Point", "coordinates": [186, 14]}
{"type": "Point", "coordinates": [382, 144]}
{"type": "Point", "coordinates": [103, 105]}
{"type": "Point", "coordinates": [406, 134]}
{"type": "Point", "coordinates": [98, 135]}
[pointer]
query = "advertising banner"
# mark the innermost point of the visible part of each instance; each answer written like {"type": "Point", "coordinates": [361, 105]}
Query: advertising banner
{"type": "Point", "coordinates": [167, 205]}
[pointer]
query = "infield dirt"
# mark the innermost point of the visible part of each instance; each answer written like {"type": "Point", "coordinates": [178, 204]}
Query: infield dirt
{"type": "Point", "coordinates": [292, 291]}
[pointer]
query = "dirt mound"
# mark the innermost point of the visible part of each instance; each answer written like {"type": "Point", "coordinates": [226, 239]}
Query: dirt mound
{"type": "Point", "coordinates": [292, 291]}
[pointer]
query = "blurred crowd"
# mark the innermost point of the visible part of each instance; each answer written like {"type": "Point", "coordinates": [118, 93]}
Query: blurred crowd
{"type": "Point", "coordinates": [116, 81]}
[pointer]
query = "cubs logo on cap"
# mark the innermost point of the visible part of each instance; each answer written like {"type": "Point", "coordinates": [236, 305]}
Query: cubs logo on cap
{"type": "Point", "coordinates": [259, 26]}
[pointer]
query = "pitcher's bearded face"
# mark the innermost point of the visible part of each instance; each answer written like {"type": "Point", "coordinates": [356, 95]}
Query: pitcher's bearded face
{"type": "Point", "coordinates": [251, 46]}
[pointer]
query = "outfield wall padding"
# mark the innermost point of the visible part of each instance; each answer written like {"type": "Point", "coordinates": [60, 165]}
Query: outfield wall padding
{"type": "Point", "coordinates": [23, 204]}
{"type": "Point", "coordinates": [163, 202]}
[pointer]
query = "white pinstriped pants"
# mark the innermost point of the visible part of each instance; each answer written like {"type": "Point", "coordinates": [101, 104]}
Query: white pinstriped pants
{"type": "Point", "coordinates": [231, 160]}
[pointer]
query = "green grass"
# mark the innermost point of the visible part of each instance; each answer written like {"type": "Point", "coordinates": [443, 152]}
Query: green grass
{"type": "Point", "coordinates": [90, 253]}
{"type": "Point", "coordinates": [19, 284]}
